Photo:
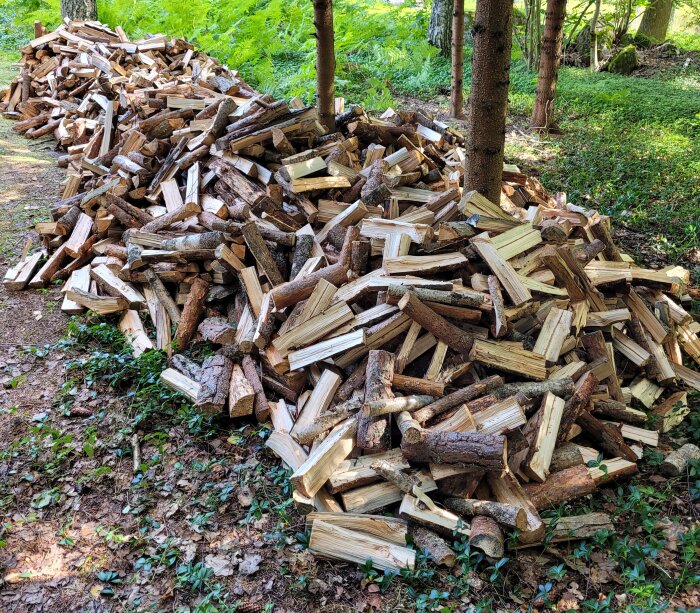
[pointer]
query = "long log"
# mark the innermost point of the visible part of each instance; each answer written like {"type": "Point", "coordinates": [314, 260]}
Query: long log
{"type": "Point", "coordinates": [455, 337]}
{"type": "Point", "coordinates": [480, 450]}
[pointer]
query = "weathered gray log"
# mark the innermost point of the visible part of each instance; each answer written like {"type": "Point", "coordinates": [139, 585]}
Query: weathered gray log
{"type": "Point", "coordinates": [676, 462]}
{"type": "Point", "coordinates": [506, 514]}
{"type": "Point", "coordinates": [214, 380]}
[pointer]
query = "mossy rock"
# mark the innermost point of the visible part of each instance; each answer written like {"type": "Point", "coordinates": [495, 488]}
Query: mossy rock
{"type": "Point", "coordinates": [642, 41]}
{"type": "Point", "coordinates": [624, 61]}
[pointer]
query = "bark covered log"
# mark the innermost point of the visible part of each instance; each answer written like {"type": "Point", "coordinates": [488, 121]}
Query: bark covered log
{"type": "Point", "coordinates": [375, 432]}
{"type": "Point", "coordinates": [471, 448]}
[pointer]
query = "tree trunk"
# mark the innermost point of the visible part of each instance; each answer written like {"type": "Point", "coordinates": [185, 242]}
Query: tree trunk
{"type": "Point", "coordinates": [594, 37]}
{"type": "Point", "coordinates": [656, 18]}
{"type": "Point", "coordinates": [81, 10]}
{"type": "Point", "coordinates": [325, 62]}
{"type": "Point", "coordinates": [488, 102]}
{"type": "Point", "coordinates": [457, 91]}
{"type": "Point", "coordinates": [440, 25]}
{"type": "Point", "coordinates": [550, 57]}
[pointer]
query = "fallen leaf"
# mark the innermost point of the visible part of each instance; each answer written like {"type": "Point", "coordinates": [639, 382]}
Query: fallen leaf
{"type": "Point", "coordinates": [250, 564]}
{"type": "Point", "coordinates": [221, 565]}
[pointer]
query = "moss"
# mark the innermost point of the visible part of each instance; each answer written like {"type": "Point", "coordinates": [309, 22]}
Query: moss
{"type": "Point", "coordinates": [643, 41]}
{"type": "Point", "coordinates": [624, 61]}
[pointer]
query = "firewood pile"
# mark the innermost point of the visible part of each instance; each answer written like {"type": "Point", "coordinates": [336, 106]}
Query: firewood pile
{"type": "Point", "coordinates": [417, 348]}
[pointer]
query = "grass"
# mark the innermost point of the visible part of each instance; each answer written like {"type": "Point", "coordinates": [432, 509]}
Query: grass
{"type": "Point", "coordinates": [630, 148]}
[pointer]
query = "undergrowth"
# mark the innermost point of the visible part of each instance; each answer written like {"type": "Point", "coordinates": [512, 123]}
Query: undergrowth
{"type": "Point", "coordinates": [652, 553]}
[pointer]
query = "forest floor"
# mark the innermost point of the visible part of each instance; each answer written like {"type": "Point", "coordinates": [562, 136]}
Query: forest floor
{"type": "Point", "coordinates": [206, 522]}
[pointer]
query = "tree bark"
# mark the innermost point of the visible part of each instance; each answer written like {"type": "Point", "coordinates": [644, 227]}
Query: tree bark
{"type": "Point", "coordinates": [375, 432]}
{"type": "Point", "coordinates": [482, 450]}
{"type": "Point", "coordinates": [488, 101]}
{"type": "Point", "coordinates": [562, 486]}
{"type": "Point", "coordinates": [440, 25]}
{"type": "Point", "coordinates": [325, 63]}
{"type": "Point", "coordinates": [81, 10]}
{"type": "Point", "coordinates": [486, 535]}
{"type": "Point", "coordinates": [457, 91]}
{"type": "Point", "coordinates": [214, 380]}
{"type": "Point", "coordinates": [594, 37]}
{"type": "Point", "coordinates": [509, 515]}
{"type": "Point", "coordinates": [550, 57]}
{"type": "Point", "coordinates": [656, 19]}
{"type": "Point", "coordinates": [435, 545]}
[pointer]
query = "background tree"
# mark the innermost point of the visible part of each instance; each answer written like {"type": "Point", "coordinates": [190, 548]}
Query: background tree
{"type": "Point", "coordinates": [594, 37]}
{"type": "Point", "coordinates": [457, 90]}
{"type": "Point", "coordinates": [527, 31]}
{"type": "Point", "coordinates": [488, 100]}
{"type": "Point", "coordinates": [82, 10]}
{"type": "Point", "coordinates": [440, 25]}
{"type": "Point", "coordinates": [325, 62]}
{"type": "Point", "coordinates": [550, 56]}
{"type": "Point", "coordinates": [656, 19]}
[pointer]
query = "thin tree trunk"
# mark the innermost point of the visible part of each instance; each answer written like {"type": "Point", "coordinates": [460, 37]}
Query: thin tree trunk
{"type": "Point", "coordinates": [656, 19]}
{"type": "Point", "coordinates": [550, 57]}
{"type": "Point", "coordinates": [440, 25]}
{"type": "Point", "coordinates": [457, 92]}
{"type": "Point", "coordinates": [594, 37]}
{"type": "Point", "coordinates": [488, 101]}
{"type": "Point", "coordinates": [325, 63]}
{"type": "Point", "coordinates": [80, 10]}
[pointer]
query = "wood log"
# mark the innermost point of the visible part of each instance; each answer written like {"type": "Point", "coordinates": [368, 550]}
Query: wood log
{"type": "Point", "coordinates": [437, 519]}
{"type": "Point", "coordinates": [434, 545]}
{"type": "Point", "coordinates": [609, 437]}
{"type": "Point", "coordinates": [322, 462]}
{"type": "Point", "coordinates": [676, 462]}
{"type": "Point", "coordinates": [214, 379]}
{"type": "Point", "coordinates": [565, 456]}
{"type": "Point", "coordinates": [335, 542]}
{"type": "Point", "coordinates": [480, 450]}
{"type": "Point", "coordinates": [509, 515]}
{"type": "Point", "coordinates": [561, 487]}
{"type": "Point", "coordinates": [294, 291]}
{"type": "Point", "coordinates": [261, 406]}
{"type": "Point", "coordinates": [191, 314]}
{"type": "Point", "coordinates": [576, 405]}
{"type": "Point", "coordinates": [375, 432]}
{"type": "Point", "coordinates": [457, 398]}
{"type": "Point", "coordinates": [416, 385]}
{"type": "Point", "coordinates": [437, 325]}
{"type": "Point", "coordinates": [241, 395]}
{"type": "Point", "coordinates": [486, 536]}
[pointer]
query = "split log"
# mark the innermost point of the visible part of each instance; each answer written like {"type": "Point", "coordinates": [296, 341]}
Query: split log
{"type": "Point", "coordinates": [375, 432]}
{"type": "Point", "coordinates": [241, 395]}
{"type": "Point", "coordinates": [214, 379]}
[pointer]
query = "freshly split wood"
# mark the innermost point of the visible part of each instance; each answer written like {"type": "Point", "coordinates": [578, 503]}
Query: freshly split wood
{"type": "Point", "coordinates": [417, 349]}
